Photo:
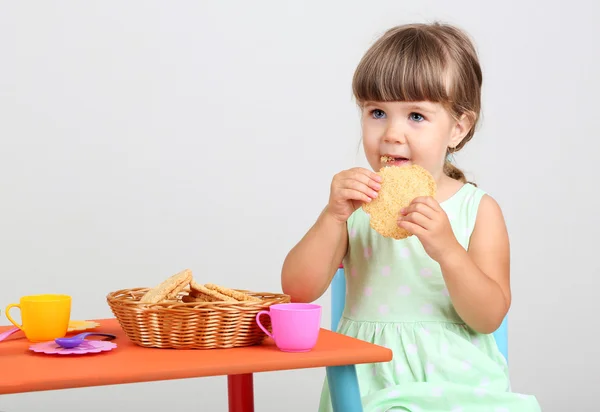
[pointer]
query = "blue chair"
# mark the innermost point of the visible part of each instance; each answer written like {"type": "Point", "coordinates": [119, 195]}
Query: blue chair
{"type": "Point", "coordinates": [340, 381]}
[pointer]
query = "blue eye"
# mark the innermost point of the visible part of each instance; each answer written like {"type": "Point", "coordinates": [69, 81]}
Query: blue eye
{"type": "Point", "coordinates": [416, 117]}
{"type": "Point", "coordinates": [377, 114]}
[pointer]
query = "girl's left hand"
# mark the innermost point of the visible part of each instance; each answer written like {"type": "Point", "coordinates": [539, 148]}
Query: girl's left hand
{"type": "Point", "coordinates": [426, 219]}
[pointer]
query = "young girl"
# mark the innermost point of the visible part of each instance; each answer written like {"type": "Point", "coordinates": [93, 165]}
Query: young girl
{"type": "Point", "coordinates": [434, 298]}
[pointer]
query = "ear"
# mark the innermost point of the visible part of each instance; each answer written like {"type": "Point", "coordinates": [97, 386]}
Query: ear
{"type": "Point", "coordinates": [461, 128]}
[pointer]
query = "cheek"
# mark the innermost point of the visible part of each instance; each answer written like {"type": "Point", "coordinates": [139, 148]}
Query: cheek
{"type": "Point", "coordinates": [419, 146]}
{"type": "Point", "coordinates": [371, 138]}
{"type": "Point", "coordinates": [429, 151]}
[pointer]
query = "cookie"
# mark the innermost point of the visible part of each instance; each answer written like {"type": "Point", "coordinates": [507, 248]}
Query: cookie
{"type": "Point", "coordinates": [203, 294]}
{"type": "Point", "coordinates": [175, 292]}
{"type": "Point", "coordinates": [399, 186]}
{"type": "Point", "coordinates": [193, 299]}
{"type": "Point", "coordinates": [169, 288]}
{"type": "Point", "coordinates": [239, 296]}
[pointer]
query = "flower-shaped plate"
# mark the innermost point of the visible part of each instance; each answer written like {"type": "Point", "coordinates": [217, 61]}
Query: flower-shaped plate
{"type": "Point", "coordinates": [87, 346]}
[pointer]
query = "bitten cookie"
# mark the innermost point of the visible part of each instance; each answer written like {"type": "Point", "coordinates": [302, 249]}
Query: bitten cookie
{"type": "Point", "coordinates": [399, 186]}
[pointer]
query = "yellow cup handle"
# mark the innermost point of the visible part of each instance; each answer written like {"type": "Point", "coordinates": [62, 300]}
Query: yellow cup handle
{"type": "Point", "coordinates": [8, 308]}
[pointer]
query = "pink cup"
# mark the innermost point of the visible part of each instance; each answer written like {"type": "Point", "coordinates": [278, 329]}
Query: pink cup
{"type": "Point", "coordinates": [295, 325]}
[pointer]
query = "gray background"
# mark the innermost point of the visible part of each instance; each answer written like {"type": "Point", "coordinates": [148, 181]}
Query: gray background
{"type": "Point", "coordinates": [139, 138]}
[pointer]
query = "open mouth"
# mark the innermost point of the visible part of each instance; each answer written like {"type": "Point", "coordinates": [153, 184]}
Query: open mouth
{"type": "Point", "coordinates": [393, 160]}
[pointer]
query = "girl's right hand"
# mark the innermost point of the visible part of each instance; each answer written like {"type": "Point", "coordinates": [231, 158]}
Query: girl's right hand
{"type": "Point", "coordinates": [349, 190]}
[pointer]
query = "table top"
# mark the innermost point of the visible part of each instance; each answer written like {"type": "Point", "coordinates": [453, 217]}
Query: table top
{"type": "Point", "coordinates": [26, 371]}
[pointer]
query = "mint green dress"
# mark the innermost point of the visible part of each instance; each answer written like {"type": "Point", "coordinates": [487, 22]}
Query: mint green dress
{"type": "Point", "coordinates": [396, 297]}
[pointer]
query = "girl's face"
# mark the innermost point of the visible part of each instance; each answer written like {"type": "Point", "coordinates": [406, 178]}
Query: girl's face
{"type": "Point", "coordinates": [410, 133]}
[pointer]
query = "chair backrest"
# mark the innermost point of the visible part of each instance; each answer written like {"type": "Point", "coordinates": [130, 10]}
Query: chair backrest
{"type": "Point", "coordinates": [338, 300]}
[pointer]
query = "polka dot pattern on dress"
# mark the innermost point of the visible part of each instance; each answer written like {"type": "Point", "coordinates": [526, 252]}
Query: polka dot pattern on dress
{"type": "Point", "coordinates": [445, 348]}
{"type": "Point", "coordinates": [427, 309]}
{"type": "Point", "coordinates": [404, 290]}
{"type": "Point", "coordinates": [394, 393]}
{"type": "Point", "coordinates": [437, 391]}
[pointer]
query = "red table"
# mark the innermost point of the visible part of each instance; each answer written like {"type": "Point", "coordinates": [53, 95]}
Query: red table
{"type": "Point", "coordinates": [148, 364]}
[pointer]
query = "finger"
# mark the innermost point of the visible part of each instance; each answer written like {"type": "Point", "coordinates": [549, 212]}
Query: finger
{"type": "Point", "coordinates": [421, 208]}
{"type": "Point", "coordinates": [360, 186]}
{"type": "Point", "coordinates": [370, 174]}
{"type": "Point", "coordinates": [429, 201]}
{"type": "Point", "coordinates": [412, 228]}
{"type": "Point", "coordinates": [367, 177]}
{"type": "Point", "coordinates": [417, 219]}
{"type": "Point", "coordinates": [355, 175]}
{"type": "Point", "coordinates": [352, 194]}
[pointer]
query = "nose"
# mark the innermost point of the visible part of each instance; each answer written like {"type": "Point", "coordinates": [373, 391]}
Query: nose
{"type": "Point", "coordinates": [394, 134]}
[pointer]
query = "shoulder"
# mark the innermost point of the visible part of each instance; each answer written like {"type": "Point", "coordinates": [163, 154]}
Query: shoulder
{"type": "Point", "coordinates": [490, 225]}
{"type": "Point", "coordinates": [489, 210]}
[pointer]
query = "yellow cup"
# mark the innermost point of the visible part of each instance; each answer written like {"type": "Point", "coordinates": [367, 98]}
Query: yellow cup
{"type": "Point", "coordinates": [44, 317]}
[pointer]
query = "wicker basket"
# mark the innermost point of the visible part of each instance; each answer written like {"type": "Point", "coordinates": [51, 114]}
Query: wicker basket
{"type": "Point", "coordinates": [195, 325]}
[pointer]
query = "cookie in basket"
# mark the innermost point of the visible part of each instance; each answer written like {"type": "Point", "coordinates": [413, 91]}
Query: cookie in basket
{"type": "Point", "coordinates": [201, 293]}
{"type": "Point", "coordinates": [400, 185]}
{"type": "Point", "coordinates": [239, 296]}
{"type": "Point", "coordinates": [169, 288]}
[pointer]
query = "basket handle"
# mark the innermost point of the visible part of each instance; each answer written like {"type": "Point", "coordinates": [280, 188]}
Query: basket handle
{"type": "Point", "coordinates": [263, 312]}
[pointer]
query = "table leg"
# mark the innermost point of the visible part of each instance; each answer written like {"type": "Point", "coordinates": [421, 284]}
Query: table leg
{"type": "Point", "coordinates": [343, 388]}
{"type": "Point", "coordinates": [241, 393]}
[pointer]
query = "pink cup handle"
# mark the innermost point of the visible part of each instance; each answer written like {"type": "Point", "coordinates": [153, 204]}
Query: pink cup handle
{"type": "Point", "coordinates": [263, 312]}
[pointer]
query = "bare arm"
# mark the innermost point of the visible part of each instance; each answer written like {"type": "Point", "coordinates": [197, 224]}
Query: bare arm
{"type": "Point", "coordinates": [479, 280]}
{"type": "Point", "coordinates": [312, 263]}
{"type": "Point", "coordinates": [309, 267]}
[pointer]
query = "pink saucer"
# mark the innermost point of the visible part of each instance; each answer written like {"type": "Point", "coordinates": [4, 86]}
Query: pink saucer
{"type": "Point", "coordinates": [89, 346]}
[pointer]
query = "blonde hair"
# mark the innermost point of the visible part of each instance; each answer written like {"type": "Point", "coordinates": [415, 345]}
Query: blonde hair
{"type": "Point", "coordinates": [424, 62]}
